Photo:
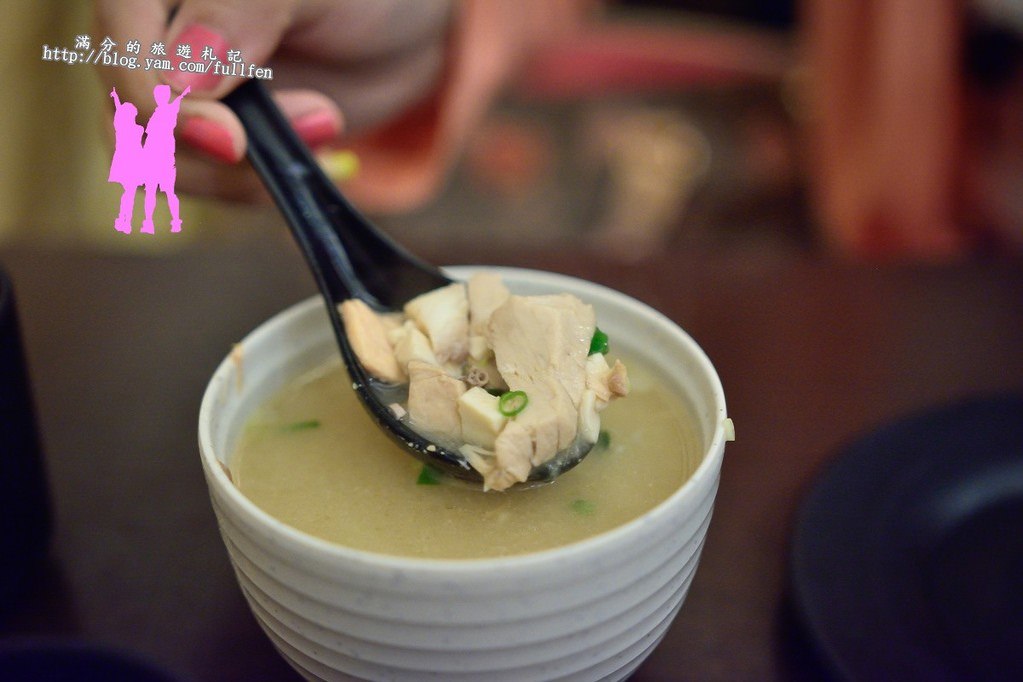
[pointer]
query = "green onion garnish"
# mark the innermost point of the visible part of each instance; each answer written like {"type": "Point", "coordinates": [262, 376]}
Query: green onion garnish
{"type": "Point", "coordinates": [512, 402]}
{"type": "Point", "coordinates": [301, 426]}
{"type": "Point", "coordinates": [583, 507]}
{"type": "Point", "coordinates": [603, 439]}
{"type": "Point", "coordinates": [428, 476]}
{"type": "Point", "coordinates": [598, 344]}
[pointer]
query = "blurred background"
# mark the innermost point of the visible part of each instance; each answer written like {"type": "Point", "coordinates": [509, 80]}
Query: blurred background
{"type": "Point", "coordinates": [881, 129]}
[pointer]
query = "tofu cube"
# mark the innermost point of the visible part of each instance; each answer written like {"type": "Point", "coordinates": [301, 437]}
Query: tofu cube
{"type": "Point", "coordinates": [481, 419]}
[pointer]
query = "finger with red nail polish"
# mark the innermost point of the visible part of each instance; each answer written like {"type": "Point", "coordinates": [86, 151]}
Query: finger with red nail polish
{"type": "Point", "coordinates": [196, 57]}
{"type": "Point", "coordinates": [206, 37]}
{"type": "Point", "coordinates": [317, 128]}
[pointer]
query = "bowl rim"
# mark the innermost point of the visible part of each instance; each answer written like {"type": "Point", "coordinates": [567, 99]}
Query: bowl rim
{"type": "Point", "coordinates": [297, 539]}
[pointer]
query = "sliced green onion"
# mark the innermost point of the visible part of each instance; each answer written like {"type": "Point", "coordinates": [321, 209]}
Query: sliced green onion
{"type": "Point", "coordinates": [512, 402]}
{"type": "Point", "coordinates": [583, 507]}
{"type": "Point", "coordinates": [598, 344]}
{"type": "Point", "coordinates": [428, 476]}
{"type": "Point", "coordinates": [301, 426]}
{"type": "Point", "coordinates": [603, 439]}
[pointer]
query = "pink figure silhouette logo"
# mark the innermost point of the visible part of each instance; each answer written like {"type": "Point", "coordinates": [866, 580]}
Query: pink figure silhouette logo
{"type": "Point", "coordinates": [126, 166]}
{"type": "Point", "coordinates": [148, 163]}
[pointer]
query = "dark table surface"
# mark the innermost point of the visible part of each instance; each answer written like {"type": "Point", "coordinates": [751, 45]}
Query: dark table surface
{"type": "Point", "coordinates": [811, 352]}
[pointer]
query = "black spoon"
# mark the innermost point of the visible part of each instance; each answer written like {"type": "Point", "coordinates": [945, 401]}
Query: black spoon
{"type": "Point", "coordinates": [350, 258]}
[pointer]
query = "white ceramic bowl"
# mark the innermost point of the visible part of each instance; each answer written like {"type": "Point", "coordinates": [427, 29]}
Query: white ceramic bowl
{"type": "Point", "coordinates": [591, 610]}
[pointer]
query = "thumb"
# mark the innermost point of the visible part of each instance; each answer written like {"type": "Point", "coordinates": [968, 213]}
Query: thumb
{"type": "Point", "coordinates": [212, 43]}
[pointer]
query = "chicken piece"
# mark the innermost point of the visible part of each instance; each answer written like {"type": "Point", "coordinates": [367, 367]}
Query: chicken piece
{"type": "Point", "coordinates": [433, 400]}
{"type": "Point", "coordinates": [443, 314]}
{"type": "Point", "coordinates": [597, 370]}
{"type": "Point", "coordinates": [486, 294]}
{"type": "Point", "coordinates": [606, 382]}
{"type": "Point", "coordinates": [550, 431]}
{"type": "Point", "coordinates": [481, 420]}
{"type": "Point", "coordinates": [540, 347]}
{"type": "Point", "coordinates": [481, 459]}
{"type": "Point", "coordinates": [513, 450]}
{"type": "Point", "coordinates": [603, 384]}
{"type": "Point", "coordinates": [411, 344]}
{"type": "Point", "coordinates": [618, 380]}
{"type": "Point", "coordinates": [367, 332]}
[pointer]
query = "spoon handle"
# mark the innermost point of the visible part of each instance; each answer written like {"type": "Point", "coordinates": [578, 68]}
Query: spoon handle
{"type": "Point", "coordinates": [299, 188]}
{"type": "Point", "coordinates": [349, 256]}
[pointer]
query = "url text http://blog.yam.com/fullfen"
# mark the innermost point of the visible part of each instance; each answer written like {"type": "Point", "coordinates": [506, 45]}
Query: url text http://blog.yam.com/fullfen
{"type": "Point", "coordinates": [156, 56]}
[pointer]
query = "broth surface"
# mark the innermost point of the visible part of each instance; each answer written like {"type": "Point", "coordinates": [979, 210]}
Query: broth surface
{"type": "Point", "coordinates": [312, 458]}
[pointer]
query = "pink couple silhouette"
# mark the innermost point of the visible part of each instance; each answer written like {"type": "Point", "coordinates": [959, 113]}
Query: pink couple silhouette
{"type": "Point", "coordinates": [149, 162]}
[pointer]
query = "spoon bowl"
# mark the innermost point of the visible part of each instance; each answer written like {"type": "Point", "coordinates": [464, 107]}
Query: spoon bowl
{"type": "Point", "coordinates": [350, 258]}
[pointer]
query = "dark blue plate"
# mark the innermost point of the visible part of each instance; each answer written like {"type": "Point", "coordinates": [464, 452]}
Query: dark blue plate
{"type": "Point", "coordinates": [51, 659]}
{"type": "Point", "coordinates": [907, 559]}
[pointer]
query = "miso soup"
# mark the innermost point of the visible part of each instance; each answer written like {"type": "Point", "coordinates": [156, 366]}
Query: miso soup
{"type": "Point", "coordinates": [312, 458]}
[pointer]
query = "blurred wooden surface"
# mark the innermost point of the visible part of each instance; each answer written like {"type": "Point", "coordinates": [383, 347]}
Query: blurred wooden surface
{"type": "Point", "coordinates": [811, 354]}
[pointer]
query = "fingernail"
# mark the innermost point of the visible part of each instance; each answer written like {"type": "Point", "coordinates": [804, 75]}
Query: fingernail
{"type": "Point", "coordinates": [210, 138]}
{"type": "Point", "coordinates": [317, 128]}
{"type": "Point", "coordinates": [194, 55]}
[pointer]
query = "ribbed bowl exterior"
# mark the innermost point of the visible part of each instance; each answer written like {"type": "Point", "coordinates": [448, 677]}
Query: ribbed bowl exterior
{"type": "Point", "coordinates": [593, 610]}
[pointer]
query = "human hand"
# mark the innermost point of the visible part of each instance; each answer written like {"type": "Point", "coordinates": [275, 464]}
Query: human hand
{"type": "Point", "coordinates": [342, 65]}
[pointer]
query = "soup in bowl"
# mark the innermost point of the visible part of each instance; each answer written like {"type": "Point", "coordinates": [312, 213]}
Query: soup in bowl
{"type": "Point", "coordinates": [360, 564]}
